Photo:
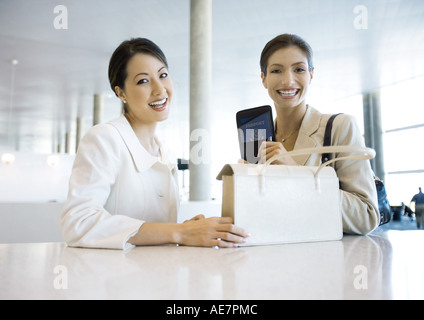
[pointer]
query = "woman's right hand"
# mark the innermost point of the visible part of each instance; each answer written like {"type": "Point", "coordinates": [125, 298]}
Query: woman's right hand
{"type": "Point", "coordinates": [210, 232]}
{"type": "Point", "coordinates": [268, 149]}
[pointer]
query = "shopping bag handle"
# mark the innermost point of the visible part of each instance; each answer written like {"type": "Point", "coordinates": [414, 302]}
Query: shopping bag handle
{"type": "Point", "coordinates": [360, 153]}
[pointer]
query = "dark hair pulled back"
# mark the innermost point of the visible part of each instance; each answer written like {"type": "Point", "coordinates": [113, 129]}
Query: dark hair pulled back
{"type": "Point", "coordinates": [126, 50]}
{"type": "Point", "coordinates": [284, 41]}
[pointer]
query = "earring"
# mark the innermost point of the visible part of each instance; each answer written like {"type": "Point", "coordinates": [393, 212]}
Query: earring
{"type": "Point", "coordinates": [124, 101]}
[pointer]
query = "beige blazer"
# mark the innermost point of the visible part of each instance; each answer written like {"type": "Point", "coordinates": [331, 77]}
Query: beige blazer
{"type": "Point", "coordinates": [116, 186]}
{"type": "Point", "coordinates": [358, 195]}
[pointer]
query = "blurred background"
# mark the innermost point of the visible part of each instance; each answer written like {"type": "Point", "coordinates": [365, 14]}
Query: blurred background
{"type": "Point", "coordinates": [54, 58]}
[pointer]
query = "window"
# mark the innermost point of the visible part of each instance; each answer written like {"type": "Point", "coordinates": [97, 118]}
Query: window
{"type": "Point", "coordinates": [402, 110]}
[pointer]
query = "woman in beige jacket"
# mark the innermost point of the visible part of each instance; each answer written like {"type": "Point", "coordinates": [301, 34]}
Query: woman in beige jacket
{"type": "Point", "coordinates": [287, 71]}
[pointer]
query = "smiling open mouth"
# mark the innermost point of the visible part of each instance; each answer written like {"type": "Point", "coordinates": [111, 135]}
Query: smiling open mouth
{"type": "Point", "coordinates": [159, 105]}
{"type": "Point", "coordinates": [288, 93]}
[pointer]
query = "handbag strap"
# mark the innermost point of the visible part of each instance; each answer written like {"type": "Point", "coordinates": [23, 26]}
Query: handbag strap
{"type": "Point", "coordinates": [327, 137]}
{"type": "Point", "coordinates": [360, 153]}
{"type": "Point", "coordinates": [356, 153]}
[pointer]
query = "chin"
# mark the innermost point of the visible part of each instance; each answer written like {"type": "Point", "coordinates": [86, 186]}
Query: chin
{"type": "Point", "coordinates": [164, 115]}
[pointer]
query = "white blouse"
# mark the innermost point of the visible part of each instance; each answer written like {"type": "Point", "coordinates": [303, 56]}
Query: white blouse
{"type": "Point", "coordinates": [116, 186]}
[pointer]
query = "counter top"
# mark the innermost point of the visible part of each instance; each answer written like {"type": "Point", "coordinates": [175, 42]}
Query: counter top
{"type": "Point", "coordinates": [385, 265]}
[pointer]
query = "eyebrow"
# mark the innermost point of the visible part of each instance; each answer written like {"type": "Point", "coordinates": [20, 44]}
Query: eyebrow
{"type": "Point", "coordinates": [146, 74]}
{"type": "Point", "coordinates": [280, 65]}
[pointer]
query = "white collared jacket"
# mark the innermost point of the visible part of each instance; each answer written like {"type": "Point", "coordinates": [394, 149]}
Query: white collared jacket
{"type": "Point", "coordinates": [116, 186]}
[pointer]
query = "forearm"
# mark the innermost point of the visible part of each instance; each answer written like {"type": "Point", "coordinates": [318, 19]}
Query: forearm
{"type": "Point", "coordinates": [155, 234]}
{"type": "Point", "coordinates": [202, 232]}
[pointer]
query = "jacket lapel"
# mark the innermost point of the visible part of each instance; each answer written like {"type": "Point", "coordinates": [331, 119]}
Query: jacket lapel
{"type": "Point", "coordinates": [141, 158]}
{"type": "Point", "coordinates": [310, 125]}
{"type": "Point", "coordinates": [167, 157]}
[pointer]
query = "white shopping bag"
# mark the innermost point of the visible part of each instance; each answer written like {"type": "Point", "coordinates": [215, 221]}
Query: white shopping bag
{"type": "Point", "coordinates": [286, 204]}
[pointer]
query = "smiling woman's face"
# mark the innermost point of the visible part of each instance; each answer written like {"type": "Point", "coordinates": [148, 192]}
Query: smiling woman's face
{"type": "Point", "coordinates": [288, 77]}
{"type": "Point", "coordinates": [148, 89]}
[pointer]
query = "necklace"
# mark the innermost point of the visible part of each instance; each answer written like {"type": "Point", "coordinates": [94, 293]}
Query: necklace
{"type": "Point", "coordinates": [290, 135]}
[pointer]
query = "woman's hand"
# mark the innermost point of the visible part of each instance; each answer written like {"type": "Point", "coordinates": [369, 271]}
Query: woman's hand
{"type": "Point", "coordinates": [198, 217]}
{"type": "Point", "coordinates": [268, 149]}
{"type": "Point", "coordinates": [210, 232]}
{"type": "Point", "coordinates": [197, 231]}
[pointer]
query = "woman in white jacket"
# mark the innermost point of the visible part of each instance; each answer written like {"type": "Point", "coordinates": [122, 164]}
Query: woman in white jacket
{"type": "Point", "coordinates": [123, 188]}
{"type": "Point", "coordinates": [287, 71]}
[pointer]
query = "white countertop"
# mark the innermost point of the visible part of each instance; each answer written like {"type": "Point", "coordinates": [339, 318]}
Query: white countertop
{"type": "Point", "coordinates": [385, 265]}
